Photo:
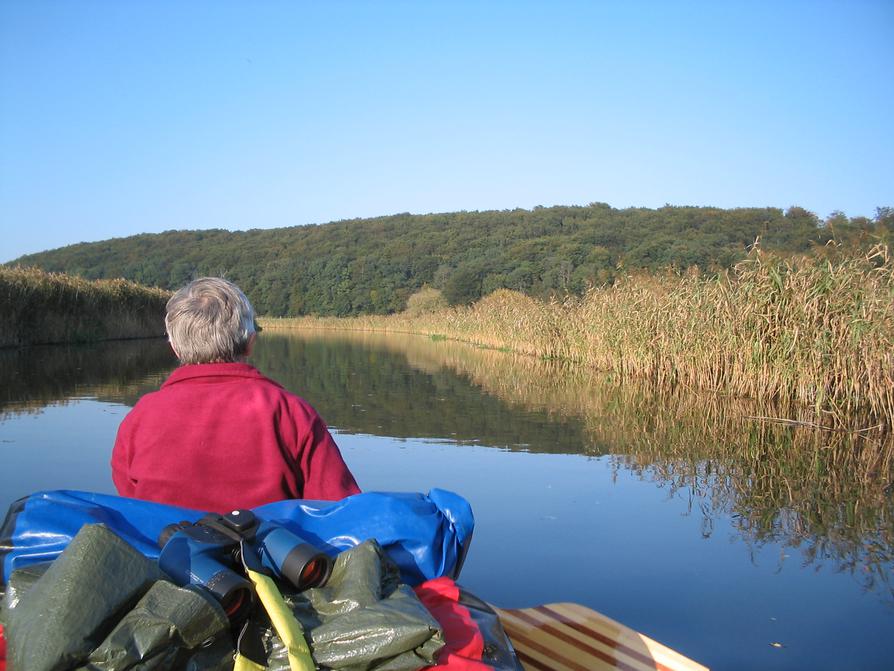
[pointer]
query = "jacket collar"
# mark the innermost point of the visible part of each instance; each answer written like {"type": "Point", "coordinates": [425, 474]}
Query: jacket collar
{"type": "Point", "coordinates": [208, 371]}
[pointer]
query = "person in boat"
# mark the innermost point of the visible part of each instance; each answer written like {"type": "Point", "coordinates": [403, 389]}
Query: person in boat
{"type": "Point", "coordinates": [218, 435]}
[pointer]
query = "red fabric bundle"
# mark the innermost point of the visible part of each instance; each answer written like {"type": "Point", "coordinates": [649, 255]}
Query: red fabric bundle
{"type": "Point", "coordinates": [465, 644]}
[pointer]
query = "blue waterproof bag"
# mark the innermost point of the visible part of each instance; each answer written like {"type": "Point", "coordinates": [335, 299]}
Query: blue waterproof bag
{"type": "Point", "coordinates": [427, 536]}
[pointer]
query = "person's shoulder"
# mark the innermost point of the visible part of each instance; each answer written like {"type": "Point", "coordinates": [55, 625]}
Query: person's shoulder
{"type": "Point", "coordinates": [147, 400]}
{"type": "Point", "coordinates": [299, 401]}
{"type": "Point", "coordinates": [276, 388]}
{"type": "Point", "coordinates": [146, 407]}
{"type": "Point", "coordinates": [254, 375]}
{"type": "Point", "coordinates": [296, 404]}
{"type": "Point", "coordinates": [263, 382]}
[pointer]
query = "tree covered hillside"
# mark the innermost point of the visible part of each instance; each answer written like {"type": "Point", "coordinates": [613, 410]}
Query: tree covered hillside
{"type": "Point", "coordinates": [373, 265]}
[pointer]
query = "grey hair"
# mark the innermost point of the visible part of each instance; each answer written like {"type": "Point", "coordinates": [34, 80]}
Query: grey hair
{"type": "Point", "coordinates": [209, 320]}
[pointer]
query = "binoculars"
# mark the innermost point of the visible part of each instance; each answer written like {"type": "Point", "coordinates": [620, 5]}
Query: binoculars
{"type": "Point", "coordinates": [212, 552]}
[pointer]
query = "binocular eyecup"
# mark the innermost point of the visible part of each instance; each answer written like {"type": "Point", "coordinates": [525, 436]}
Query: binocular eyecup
{"type": "Point", "coordinates": [291, 557]}
{"type": "Point", "coordinates": [235, 593]}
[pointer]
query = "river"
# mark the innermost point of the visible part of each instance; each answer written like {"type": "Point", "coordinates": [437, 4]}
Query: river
{"type": "Point", "coordinates": [740, 542]}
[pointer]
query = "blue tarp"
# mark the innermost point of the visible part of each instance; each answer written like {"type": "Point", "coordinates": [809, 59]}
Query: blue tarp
{"type": "Point", "coordinates": [426, 535]}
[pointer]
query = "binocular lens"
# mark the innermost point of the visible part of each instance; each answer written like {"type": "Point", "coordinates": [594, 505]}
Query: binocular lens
{"type": "Point", "coordinates": [315, 573]}
{"type": "Point", "coordinates": [235, 601]}
{"type": "Point", "coordinates": [294, 559]}
{"type": "Point", "coordinates": [306, 567]}
{"type": "Point", "coordinates": [232, 591]}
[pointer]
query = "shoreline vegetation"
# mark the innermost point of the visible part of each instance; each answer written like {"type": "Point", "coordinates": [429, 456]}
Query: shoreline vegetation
{"type": "Point", "coordinates": [41, 308]}
{"type": "Point", "coordinates": [824, 495]}
{"type": "Point", "coordinates": [814, 332]}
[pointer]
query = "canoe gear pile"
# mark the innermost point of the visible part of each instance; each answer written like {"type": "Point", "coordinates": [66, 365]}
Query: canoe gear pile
{"type": "Point", "coordinates": [99, 582]}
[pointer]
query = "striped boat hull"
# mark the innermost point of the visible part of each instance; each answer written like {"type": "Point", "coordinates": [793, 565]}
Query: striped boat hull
{"type": "Point", "coordinates": [571, 637]}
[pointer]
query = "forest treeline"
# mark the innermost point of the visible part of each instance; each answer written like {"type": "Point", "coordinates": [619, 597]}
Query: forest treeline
{"type": "Point", "coordinates": [372, 266]}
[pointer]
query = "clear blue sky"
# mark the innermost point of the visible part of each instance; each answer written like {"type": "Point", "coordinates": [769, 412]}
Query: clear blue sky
{"type": "Point", "coordinates": [126, 117]}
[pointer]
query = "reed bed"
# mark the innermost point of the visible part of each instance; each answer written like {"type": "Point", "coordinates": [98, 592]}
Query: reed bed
{"type": "Point", "coordinates": [825, 494]}
{"type": "Point", "coordinates": [812, 331]}
{"type": "Point", "coordinates": [43, 308]}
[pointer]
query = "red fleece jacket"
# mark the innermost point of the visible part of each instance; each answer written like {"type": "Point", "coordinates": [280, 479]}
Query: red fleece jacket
{"type": "Point", "coordinates": [221, 436]}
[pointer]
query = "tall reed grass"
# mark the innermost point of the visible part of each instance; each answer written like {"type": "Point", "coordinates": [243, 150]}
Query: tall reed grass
{"type": "Point", "coordinates": [825, 494]}
{"type": "Point", "coordinates": [37, 307]}
{"type": "Point", "coordinates": [811, 331]}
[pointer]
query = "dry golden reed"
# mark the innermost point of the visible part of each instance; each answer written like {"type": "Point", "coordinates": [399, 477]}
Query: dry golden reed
{"type": "Point", "coordinates": [40, 308]}
{"type": "Point", "coordinates": [812, 331]}
{"type": "Point", "coordinates": [826, 493]}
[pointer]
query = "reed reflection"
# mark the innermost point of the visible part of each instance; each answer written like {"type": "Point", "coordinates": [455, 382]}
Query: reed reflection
{"type": "Point", "coordinates": [826, 494]}
{"type": "Point", "coordinates": [403, 387]}
{"type": "Point", "coordinates": [116, 371]}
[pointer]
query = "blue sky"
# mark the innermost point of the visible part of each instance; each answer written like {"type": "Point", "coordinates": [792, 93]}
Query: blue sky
{"type": "Point", "coordinates": [125, 117]}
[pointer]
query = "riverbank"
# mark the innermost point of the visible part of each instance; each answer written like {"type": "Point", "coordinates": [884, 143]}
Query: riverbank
{"type": "Point", "coordinates": [40, 308]}
{"type": "Point", "coordinates": [794, 484]}
{"type": "Point", "coordinates": [818, 332]}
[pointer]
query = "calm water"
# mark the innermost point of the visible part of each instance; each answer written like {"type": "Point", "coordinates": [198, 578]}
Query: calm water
{"type": "Point", "coordinates": [716, 534]}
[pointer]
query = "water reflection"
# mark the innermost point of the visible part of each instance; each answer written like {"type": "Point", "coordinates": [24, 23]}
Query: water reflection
{"type": "Point", "coordinates": [121, 371]}
{"type": "Point", "coordinates": [362, 383]}
{"type": "Point", "coordinates": [825, 494]}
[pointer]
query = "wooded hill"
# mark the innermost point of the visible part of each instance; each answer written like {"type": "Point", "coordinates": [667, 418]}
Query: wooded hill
{"type": "Point", "coordinates": [373, 265]}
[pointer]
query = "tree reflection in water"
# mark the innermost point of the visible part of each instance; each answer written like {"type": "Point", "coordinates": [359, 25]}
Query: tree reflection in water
{"type": "Point", "coordinates": [824, 493]}
{"type": "Point", "coordinates": [116, 371]}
